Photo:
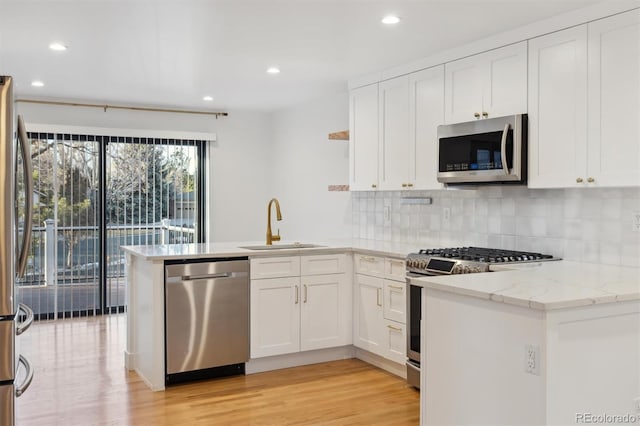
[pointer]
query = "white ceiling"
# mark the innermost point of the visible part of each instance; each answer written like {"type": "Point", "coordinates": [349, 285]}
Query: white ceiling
{"type": "Point", "coordinates": [172, 53]}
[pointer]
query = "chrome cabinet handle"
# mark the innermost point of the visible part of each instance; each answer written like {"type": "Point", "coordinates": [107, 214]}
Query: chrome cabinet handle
{"type": "Point", "coordinates": [378, 302]}
{"type": "Point", "coordinates": [394, 328]}
{"type": "Point", "coordinates": [24, 325]}
{"type": "Point", "coordinates": [579, 180]}
{"type": "Point", "coordinates": [28, 201]}
{"type": "Point", "coordinates": [297, 295]}
{"type": "Point", "coordinates": [503, 149]}
{"type": "Point", "coordinates": [305, 294]}
{"type": "Point", "coordinates": [27, 381]}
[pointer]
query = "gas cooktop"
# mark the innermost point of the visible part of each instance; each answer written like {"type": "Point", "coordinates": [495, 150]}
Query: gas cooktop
{"type": "Point", "coordinates": [462, 260]}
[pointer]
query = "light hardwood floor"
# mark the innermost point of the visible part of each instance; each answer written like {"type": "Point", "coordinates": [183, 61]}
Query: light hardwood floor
{"type": "Point", "coordinates": [80, 379]}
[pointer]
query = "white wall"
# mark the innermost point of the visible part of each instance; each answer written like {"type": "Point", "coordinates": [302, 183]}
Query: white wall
{"type": "Point", "coordinates": [305, 163]}
{"type": "Point", "coordinates": [239, 162]}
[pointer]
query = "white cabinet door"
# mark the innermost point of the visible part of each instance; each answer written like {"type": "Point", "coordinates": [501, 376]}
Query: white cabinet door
{"type": "Point", "coordinates": [363, 138]}
{"type": "Point", "coordinates": [325, 311]}
{"type": "Point", "coordinates": [275, 316]}
{"type": "Point", "coordinates": [369, 320]}
{"type": "Point", "coordinates": [426, 113]}
{"type": "Point", "coordinates": [393, 129]}
{"type": "Point", "coordinates": [505, 86]}
{"type": "Point", "coordinates": [395, 342]}
{"type": "Point", "coordinates": [491, 84]}
{"type": "Point", "coordinates": [614, 101]}
{"type": "Point", "coordinates": [463, 89]}
{"type": "Point", "coordinates": [394, 301]}
{"type": "Point", "coordinates": [558, 109]}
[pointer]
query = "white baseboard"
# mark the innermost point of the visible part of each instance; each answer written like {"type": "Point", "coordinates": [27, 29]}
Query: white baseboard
{"type": "Point", "coordinates": [258, 365]}
{"type": "Point", "coordinates": [383, 363]}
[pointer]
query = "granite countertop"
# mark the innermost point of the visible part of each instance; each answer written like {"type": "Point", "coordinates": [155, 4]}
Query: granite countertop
{"type": "Point", "coordinates": [235, 249]}
{"type": "Point", "coordinates": [544, 285]}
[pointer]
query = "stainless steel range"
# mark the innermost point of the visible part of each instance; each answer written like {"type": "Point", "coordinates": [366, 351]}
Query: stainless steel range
{"type": "Point", "coordinates": [448, 261]}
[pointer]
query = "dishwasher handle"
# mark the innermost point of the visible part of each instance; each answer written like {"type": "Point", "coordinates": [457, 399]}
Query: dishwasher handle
{"type": "Point", "coordinates": [213, 276]}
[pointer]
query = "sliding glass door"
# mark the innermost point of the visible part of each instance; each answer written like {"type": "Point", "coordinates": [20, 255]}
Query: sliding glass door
{"type": "Point", "coordinates": [92, 195]}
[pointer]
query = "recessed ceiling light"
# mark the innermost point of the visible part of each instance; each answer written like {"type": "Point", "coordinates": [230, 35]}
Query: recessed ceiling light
{"type": "Point", "coordinates": [57, 46]}
{"type": "Point", "coordinates": [208, 98]}
{"type": "Point", "coordinates": [390, 20]}
{"type": "Point", "coordinates": [37, 83]}
{"type": "Point", "coordinates": [273, 70]}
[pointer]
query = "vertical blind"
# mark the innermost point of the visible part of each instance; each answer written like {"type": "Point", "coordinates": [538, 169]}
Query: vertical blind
{"type": "Point", "coordinates": [94, 193]}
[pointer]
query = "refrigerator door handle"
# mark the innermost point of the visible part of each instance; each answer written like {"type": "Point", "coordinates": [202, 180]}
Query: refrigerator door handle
{"type": "Point", "coordinates": [24, 325]}
{"type": "Point", "coordinates": [27, 380]}
{"type": "Point", "coordinates": [28, 198]}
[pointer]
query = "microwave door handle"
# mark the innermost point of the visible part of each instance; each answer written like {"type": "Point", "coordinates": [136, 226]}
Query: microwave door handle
{"type": "Point", "coordinates": [503, 149]}
{"type": "Point", "coordinates": [28, 197]}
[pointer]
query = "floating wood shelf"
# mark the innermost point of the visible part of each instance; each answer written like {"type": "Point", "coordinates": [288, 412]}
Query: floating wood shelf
{"type": "Point", "coordinates": [339, 136]}
{"type": "Point", "coordinates": [338, 188]}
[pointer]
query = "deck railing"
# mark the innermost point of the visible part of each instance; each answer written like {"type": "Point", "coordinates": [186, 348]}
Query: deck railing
{"type": "Point", "coordinates": [69, 258]}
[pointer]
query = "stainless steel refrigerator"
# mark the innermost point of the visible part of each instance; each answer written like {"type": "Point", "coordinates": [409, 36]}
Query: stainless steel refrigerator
{"type": "Point", "coordinates": [15, 371]}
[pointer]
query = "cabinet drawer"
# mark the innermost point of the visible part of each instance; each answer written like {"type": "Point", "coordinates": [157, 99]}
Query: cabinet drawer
{"type": "Point", "coordinates": [395, 269]}
{"type": "Point", "coordinates": [275, 267]}
{"type": "Point", "coordinates": [369, 265]}
{"type": "Point", "coordinates": [395, 301]}
{"type": "Point", "coordinates": [323, 264]}
{"type": "Point", "coordinates": [395, 342]}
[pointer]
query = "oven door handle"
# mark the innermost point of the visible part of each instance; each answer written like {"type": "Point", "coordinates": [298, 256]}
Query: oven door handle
{"type": "Point", "coordinates": [503, 149]}
{"type": "Point", "coordinates": [24, 325]}
{"type": "Point", "coordinates": [27, 381]}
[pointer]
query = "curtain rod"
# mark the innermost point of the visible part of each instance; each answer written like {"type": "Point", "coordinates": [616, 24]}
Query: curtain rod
{"type": "Point", "coordinates": [132, 108]}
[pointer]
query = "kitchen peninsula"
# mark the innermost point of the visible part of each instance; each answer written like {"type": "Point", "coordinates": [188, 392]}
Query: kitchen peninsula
{"type": "Point", "coordinates": [557, 340]}
{"type": "Point", "coordinates": [579, 321]}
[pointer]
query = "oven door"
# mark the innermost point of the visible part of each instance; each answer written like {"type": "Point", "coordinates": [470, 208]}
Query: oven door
{"type": "Point", "coordinates": [490, 151]}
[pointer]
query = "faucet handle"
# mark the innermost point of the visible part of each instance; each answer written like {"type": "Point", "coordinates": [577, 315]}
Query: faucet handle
{"type": "Point", "coordinates": [277, 236]}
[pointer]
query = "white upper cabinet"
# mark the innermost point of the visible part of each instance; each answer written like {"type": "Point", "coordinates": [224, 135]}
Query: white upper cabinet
{"type": "Point", "coordinates": [490, 84]}
{"type": "Point", "coordinates": [584, 105]}
{"type": "Point", "coordinates": [558, 108]}
{"type": "Point", "coordinates": [394, 133]}
{"type": "Point", "coordinates": [363, 138]}
{"type": "Point", "coordinates": [411, 109]}
{"type": "Point", "coordinates": [613, 154]}
{"type": "Point", "coordinates": [426, 113]}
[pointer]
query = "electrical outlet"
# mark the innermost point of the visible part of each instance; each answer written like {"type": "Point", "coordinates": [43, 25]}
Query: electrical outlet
{"type": "Point", "coordinates": [532, 359]}
{"type": "Point", "coordinates": [446, 214]}
{"type": "Point", "coordinates": [635, 220]}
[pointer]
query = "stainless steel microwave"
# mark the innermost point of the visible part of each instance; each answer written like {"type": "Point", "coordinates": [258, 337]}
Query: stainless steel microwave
{"type": "Point", "coordinates": [489, 151]}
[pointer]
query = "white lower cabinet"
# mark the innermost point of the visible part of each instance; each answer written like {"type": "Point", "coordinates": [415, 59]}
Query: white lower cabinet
{"type": "Point", "coordinates": [380, 306]}
{"type": "Point", "coordinates": [275, 316]}
{"type": "Point", "coordinates": [304, 312]}
{"type": "Point", "coordinates": [369, 317]}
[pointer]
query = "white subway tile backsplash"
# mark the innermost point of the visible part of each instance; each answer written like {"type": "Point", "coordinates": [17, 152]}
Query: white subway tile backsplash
{"type": "Point", "coordinates": [592, 225]}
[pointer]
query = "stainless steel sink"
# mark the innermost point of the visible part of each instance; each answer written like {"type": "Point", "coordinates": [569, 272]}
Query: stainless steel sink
{"type": "Point", "coordinates": [281, 246]}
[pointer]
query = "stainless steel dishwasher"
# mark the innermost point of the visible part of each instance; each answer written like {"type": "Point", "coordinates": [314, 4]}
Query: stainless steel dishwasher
{"type": "Point", "coordinates": [206, 318]}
